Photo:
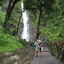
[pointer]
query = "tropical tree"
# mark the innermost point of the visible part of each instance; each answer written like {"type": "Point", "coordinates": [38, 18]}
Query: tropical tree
{"type": "Point", "coordinates": [9, 11]}
{"type": "Point", "coordinates": [1, 2]}
{"type": "Point", "coordinates": [39, 7]}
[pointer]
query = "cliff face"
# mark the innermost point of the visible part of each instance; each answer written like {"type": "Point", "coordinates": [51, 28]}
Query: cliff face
{"type": "Point", "coordinates": [33, 25]}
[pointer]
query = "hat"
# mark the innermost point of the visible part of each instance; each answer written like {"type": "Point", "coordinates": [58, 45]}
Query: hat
{"type": "Point", "coordinates": [39, 40]}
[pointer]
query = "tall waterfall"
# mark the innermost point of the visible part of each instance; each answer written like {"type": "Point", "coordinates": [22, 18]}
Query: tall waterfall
{"type": "Point", "coordinates": [25, 33]}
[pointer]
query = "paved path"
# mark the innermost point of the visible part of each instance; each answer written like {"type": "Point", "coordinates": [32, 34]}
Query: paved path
{"type": "Point", "coordinates": [45, 58]}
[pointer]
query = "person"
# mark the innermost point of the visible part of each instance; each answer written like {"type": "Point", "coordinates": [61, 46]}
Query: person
{"type": "Point", "coordinates": [40, 47]}
{"type": "Point", "coordinates": [40, 44]}
{"type": "Point", "coordinates": [36, 47]}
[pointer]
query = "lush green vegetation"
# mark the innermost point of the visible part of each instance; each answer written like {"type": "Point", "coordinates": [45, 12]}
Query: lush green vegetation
{"type": "Point", "coordinates": [8, 41]}
{"type": "Point", "coordinates": [15, 19]}
{"type": "Point", "coordinates": [47, 16]}
{"type": "Point", "coordinates": [54, 29]}
{"type": "Point", "coordinates": [2, 17]}
{"type": "Point", "coordinates": [50, 22]}
{"type": "Point", "coordinates": [1, 2]}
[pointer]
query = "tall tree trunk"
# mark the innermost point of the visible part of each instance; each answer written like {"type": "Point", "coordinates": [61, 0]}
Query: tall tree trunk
{"type": "Point", "coordinates": [38, 25]}
{"type": "Point", "coordinates": [9, 11]}
{"type": "Point", "coordinates": [18, 24]}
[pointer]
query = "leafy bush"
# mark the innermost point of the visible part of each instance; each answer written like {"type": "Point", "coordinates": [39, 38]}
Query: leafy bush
{"type": "Point", "coordinates": [9, 42]}
{"type": "Point", "coordinates": [2, 17]}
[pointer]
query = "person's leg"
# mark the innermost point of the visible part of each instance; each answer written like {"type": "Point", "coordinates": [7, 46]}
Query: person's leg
{"type": "Point", "coordinates": [40, 53]}
{"type": "Point", "coordinates": [36, 53]}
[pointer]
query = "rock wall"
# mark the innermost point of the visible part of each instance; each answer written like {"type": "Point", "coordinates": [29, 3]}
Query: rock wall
{"type": "Point", "coordinates": [21, 56]}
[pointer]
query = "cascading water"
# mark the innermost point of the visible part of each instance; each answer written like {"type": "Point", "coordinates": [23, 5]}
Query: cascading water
{"type": "Point", "coordinates": [25, 33]}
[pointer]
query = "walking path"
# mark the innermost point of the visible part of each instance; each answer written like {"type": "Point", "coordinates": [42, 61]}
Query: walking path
{"type": "Point", "coordinates": [45, 58]}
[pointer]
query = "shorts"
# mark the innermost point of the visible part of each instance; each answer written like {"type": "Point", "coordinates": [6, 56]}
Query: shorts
{"type": "Point", "coordinates": [40, 49]}
{"type": "Point", "coordinates": [36, 49]}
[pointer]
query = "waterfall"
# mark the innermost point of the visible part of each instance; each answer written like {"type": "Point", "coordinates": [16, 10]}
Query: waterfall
{"type": "Point", "coordinates": [25, 33]}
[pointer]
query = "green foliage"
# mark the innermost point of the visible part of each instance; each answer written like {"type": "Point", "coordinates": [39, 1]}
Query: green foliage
{"type": "Point", "coordinates": [36, 5]}
{"type": "Point", "coordinates": [55, 21]}
{"type": "Point", "coordinates": [53, 28]}
{"type": "Point", "coordinates": [1, 2]}
{"type": "Point", "coordinates": [2, 17]}
{"type": "Point", "coordinates": [9, 42]}
{"type": "Point", "coordinates": [15, 18]}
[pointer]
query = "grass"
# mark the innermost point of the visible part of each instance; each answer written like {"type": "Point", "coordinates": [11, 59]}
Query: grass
{"type": "Point", "coordinates": [9, 42]}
